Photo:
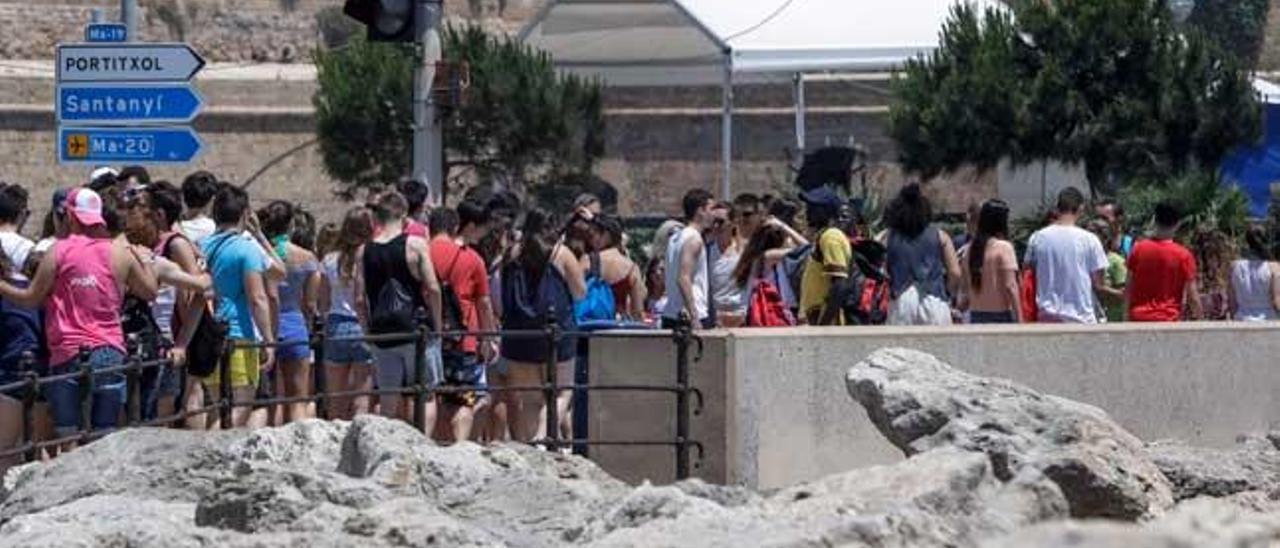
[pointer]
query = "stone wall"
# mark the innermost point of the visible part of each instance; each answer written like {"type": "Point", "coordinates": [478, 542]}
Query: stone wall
{"type": "Point", "coordinates": [777, 410]}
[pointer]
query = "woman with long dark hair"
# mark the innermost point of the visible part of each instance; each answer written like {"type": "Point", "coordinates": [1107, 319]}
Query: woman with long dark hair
{"type": "Point", "coordinates": [350, 362]}
{"type": "Point", "coordinates": [298, 297]}
{"type": "Point", "coordinates": [543, 278]}
{"type": "Point", "coordinates": [1254, 292]}
{"type": "Point", "coordinates": [991, 269]}
{"type": "Point", "coordinates": [923, 268]}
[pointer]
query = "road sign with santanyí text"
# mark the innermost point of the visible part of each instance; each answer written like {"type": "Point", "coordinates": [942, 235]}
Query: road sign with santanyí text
{"type": "Point", "coordinates": [102, 145]}
{"type": "Point", "coordinates": [127, 103]}
{"type": "Point", "coordinates": [133, 62]}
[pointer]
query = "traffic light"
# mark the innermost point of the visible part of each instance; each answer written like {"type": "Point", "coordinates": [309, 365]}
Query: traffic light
{"type": "Point", "coordinates": [387, 20]}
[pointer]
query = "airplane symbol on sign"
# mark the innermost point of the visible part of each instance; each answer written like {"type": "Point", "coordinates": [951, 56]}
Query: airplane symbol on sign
{"type": "Point", "coordinates": [78, 145]}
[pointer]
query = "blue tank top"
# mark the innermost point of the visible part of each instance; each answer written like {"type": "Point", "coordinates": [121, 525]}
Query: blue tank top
{"type": "Point", "coordinates": [291, 287]}
{"type": "Point", "coordinates": [917, 261]}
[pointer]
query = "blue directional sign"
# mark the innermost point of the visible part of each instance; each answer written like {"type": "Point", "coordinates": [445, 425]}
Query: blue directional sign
{"type": "Point", "coordinates": [127, 103]}
{"type": "Point", "coordinates": [101, 145]}
{"type": "Point", "coordinates": [106, 32]}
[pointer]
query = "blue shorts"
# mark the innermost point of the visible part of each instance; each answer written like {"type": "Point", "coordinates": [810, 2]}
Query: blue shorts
{"type": "Point", "coordinates": [463, 369]}
{"type": "Point", "coordinates": [295, 339]}
{"type": "Point", "coordinates": [108, 393]}
{"type": "Point", "coordinates": [345, 352]}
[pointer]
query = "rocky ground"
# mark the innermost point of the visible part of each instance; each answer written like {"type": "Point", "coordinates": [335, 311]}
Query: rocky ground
{"type": "Point", "coordinates": [991, 464]}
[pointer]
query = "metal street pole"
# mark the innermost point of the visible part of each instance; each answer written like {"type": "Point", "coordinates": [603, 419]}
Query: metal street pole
{"type": "Point", "coordinates": [427, 160]}
{"type": "Point", "coordinates": [129, 16]}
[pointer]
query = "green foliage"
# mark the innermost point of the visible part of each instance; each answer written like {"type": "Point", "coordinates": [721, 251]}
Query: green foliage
{"type": "Point", "coordinates": [519, 125]}
{"type": "Point", "coordinates": [1207, 203]}
{"type": "Point", "coordinates": [523, 123]}
{"type": "Point", "coordinates": [364, 112]}
{"type": "Point", "coordinates": [1110, 84]}
{"type": "Point", "coordinates": [1238, 26]}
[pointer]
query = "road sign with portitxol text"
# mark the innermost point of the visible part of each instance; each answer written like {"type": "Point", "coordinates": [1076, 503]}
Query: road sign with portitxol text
{"type": "Point", "coordinates": [105, 145]}
{"type": "Point", "coordinates": [133, 62]}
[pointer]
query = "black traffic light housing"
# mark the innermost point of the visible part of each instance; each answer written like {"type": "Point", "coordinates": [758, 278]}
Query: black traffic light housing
{"type": "Point", "coordinates": [386, 20]}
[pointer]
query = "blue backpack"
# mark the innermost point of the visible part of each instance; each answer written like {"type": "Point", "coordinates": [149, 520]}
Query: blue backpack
{"type": "Point", "coordinates": [598, 304]}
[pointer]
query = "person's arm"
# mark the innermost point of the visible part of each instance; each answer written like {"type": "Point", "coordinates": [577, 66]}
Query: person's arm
{"type": "Point", "coordinates": [38, 290]}
{"type": "Point", "coordinates": [276, 269]}
{"type": "Point", "coordinates": [951, 262]}
{"type": "Point", "coordinates": [1195, 310]}
{"type": "Point", "coordinates": [322, 296]}
{"type": "Point", "coordinates": [794, 237]}
{"type": "Point", "coordinates": [430, 284]}
{"type": "Point", "coordinates": [311, 293]}
{"type": "Point", "coordinates": [169, 273]}
{"type": "Point", "coordinates": [362, 300]}
{"type": "Point", "coordinates": [1008, 280]}
{"type": "Point", "coordinates": [638, 293]}
{"type": "Point", "coordinates": [574, 274]}
{"type": "Point", "coordinates": [189, 304]}
{"type": "Point", "coordinates": [255, 289]}
{"type": "Point", "coordinates": [684, 281]}
{"type": "Point", "coordinates": [141, 277]}
{"type": "Point", "coordinates": [1275, 286]}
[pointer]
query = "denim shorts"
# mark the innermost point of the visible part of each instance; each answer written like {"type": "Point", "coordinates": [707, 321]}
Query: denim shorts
{"type": "Point", "coordinates": [108, 393]}
{"type": "Point", "coordinates": [345, 352]}
{"type": "Point", "coordinates": [463, 369]}
{"type": "Point", "coordinates": [295, 339]}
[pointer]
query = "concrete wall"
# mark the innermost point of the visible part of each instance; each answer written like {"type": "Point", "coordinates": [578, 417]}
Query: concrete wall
{"type": "Point", "coordinates": [787, 416]}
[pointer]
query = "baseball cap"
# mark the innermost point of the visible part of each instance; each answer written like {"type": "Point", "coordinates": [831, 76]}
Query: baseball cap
{"type": "Point", "coordinates": [86, 206]}
{"type": "Point", "coordinates": [822, 196]}
{"type": "Point", "coordinates": [102, 172]}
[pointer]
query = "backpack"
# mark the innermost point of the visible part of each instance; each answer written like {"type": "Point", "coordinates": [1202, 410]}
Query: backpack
{"type": "Point", "coordinates": [209, 341]}
{"type": "Point", "coordinates": [765, 307]}
{"type": "Point", "coordinates": [451, 313]}
{"type": "Point", "coordinates": [392, 310]}
{"type": "Point", "coordinates": [793, 265]}
{"type": "Point", "coordinates": [598, 304]}
{"type": "Point", "coordinates": [868, 301]}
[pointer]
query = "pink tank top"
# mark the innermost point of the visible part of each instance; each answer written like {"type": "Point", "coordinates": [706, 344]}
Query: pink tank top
{"type": "Point", "coordinates": [84, 307]}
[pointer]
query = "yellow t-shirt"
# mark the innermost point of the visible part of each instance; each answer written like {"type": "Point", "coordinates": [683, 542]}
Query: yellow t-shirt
{"type": "Point", "coordinates": [835, 250]}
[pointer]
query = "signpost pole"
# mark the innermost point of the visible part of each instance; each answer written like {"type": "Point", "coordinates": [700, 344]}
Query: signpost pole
{"type": "Point", "coordinates": [427, 149]}
{"type": "Point", "coordinates": [129, 16]}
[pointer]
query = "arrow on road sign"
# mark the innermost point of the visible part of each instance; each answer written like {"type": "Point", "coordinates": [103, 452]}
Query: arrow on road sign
{"type": "Point", "coordinates": [127, 63]}
{"type": "Point", "coordinates": [140, 145]}
{"type": "Point", "coordinates": [127, 103]}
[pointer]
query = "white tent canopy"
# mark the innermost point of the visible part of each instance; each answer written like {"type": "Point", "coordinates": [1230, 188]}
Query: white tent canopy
{"type": "Point", "coordinates": [692, 42]}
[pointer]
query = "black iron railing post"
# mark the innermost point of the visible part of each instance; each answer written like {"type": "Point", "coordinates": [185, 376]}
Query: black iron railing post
{"type": "Point", "coordinates": [682, 334]}
{"type": "Point", "coordinates": [28, 405]}
{"type": "Point", "coordinates": [86, 394]}
{"type": "Point", "coordinates": [420, 389]}
{"type": "Point", "coordinates": [551, 379]}
{"type": "Point", "coordinates": [133, 403]}
{"type": "Point", "coordinates": [226, 396]}
{"type": "Point", "coordinates": [321, 394]}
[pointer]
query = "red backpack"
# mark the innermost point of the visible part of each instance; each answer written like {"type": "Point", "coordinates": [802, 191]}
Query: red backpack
{"type": "Point", "coordinates": [766, 307]}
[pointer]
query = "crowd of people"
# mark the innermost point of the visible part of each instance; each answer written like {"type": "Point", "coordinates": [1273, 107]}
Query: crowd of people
{"type": "Point", "coordinates": [750, 263]}
{"type": "Point", "coordinates": [130, 267]}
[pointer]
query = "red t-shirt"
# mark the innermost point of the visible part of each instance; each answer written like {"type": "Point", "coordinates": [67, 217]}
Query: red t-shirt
{"type": "Point", "coordinates": [1159, 271]}
{"type": "Point", "coordinates": [464, 271]}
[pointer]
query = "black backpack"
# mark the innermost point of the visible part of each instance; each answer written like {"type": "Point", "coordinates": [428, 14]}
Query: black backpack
{"type": "Point", "coordinates": [209, 341]}
{"type": "Point", "coordinates": [393, 310]}
{"type": "Point", "coordinates": [451, 315]}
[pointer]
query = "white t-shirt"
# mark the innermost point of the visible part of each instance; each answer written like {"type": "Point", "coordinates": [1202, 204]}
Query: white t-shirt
{"type": "Point", "coordinates": [197, 229]}
{"type": "Point", "coordinates": [1065, 258]}
{"type": "Point", "coordinates": [675, 300]}
{"type": "Point", "coordinates": [17, 248]}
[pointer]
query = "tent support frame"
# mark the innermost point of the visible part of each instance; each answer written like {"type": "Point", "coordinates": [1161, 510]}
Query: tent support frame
{"type": "Point", "coordinates": [797, 83]}
{"type": "Point", "coordinates": [726, 131]}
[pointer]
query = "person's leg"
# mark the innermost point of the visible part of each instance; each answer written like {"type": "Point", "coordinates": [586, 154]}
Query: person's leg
{"type": "Point", "coordinates": [166, 405]}
{"type": "Point", "coordinates": [10, 430]}
{"type": "Point", "coordinates": [109, 389]}
{"type": "Point", "coordinates": [361, 379]}
{"type": "Point", "coordinates": [564, 398]}
{"type": "Point", "coordinates": [338, 380]}
{"type": "Point", "coordinates": [391, 369]}
{"type": "Point", "coordinates": [529, 406]}
{"type": "Point", "coordinates": [192, 400]}
{"type": "Point", "coordinates": [295, 375]}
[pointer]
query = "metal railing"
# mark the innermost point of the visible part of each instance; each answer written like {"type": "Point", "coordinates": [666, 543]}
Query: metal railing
{"type": "Point", "coordinates": [418, 392]}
